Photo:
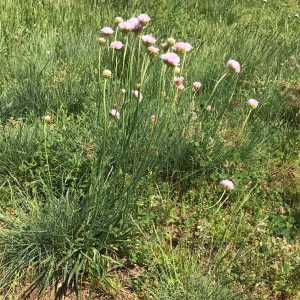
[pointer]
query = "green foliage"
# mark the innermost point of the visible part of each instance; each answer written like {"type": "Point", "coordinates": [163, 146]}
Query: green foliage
{"type": "Point", "coordinates": [77, 179]}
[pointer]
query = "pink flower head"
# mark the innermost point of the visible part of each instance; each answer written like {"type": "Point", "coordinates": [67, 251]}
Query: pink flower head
{"type": "Point", "coordinates": [125, 26]}
{"type": "Point", "coordinates": [152, 50]}
{"type": "Point", "coordinates": [148, 40]}
{"type": "Point", "coordinates": [153, 118]}
{"type": "Point", "coordinates": [116, 45]}
{"type": "Point", "coordinates": [114, 113]}
{"type": "Point", "coordinates": [182, 47]}
{"type": "Point", "coordinates": [178, 80]}
{"type": "Point", "coordinates": [197, 85]}
{"type": "Point", "coordinates": [106, 31]}
{"type": "Point", "coordinates": [137, 95]}
{"type": "Point", "coordinates": [180, 87]}
{"type": "Point", "coordinates": [234, 66]}
{"type": "Point", "coordinates": [144, 19]}
{"type": "Point", "coordinates": [136, 25]}
{"type": "Point", "coordinates": [165, 46]}
{"type": "Point", "coordinates": [227, 184]}
{"type": "Point", "coordinates": [171, 59]}
{"type": "Point", "coordinates": [253, 103]}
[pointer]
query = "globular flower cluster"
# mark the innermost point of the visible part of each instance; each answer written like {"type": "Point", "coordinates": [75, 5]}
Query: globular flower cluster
{"type": "Point", "coordinates": [179, 82]}
{"type": "Point", "coordinates": [137, 95]}
{"type": "Point", "coordinates": [114, 113]}
{"type": "Point", "coordinates": [182, 47]}
{"type": "Point", "coordinates": [152, 50]}
{"type": "Point", "coordinates": [148, 40]}
{"type": "Point", "coordinates": [253, 103]}
{"type": "Point", "coordinates": [135, 24]}
{"type": "Point", "coordinates": [107, 31]}
{"type": "Point", "coordinates": [234, 66]}
{"type": "Point", "coordinates": [171, 59]}
{"type": "Point", "coordinates": [227, 184]}
{"type": "Point", "coordinates": [117, 45]}
{"type": "Point", "coordinates": [197, 85]}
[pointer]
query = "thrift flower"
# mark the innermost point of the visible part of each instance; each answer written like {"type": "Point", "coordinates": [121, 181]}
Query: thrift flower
{"type": "Point", "coordinates": [47, 118]}
{"type": "Point", "coordinates": [137, 95]}
{"type": "Point", "coordinates": [101, 41]}
{"type": "Point", "coordinates": [234, 66]}
{"type": "Point", "coordinates": [144, 19]}
{"type": "Point", "coordinates": [176, 70]}
{"type": "Point", "coordinates": [182, 47]}
{"type": "Point", "coordinates": [178, 80]}
{"type": "Point", "coordinates": [107, 31]}
{"type": "Point", "coordinates": [171, 59]}
{"type": "Point", "coordinates": [135, 24]}
{"type": "Point", "coordinates": [106, 74]}
{"type": "Point", "coordinates": [197, 85]}
{"type": "Point", "coordinates": [117, 45]}
{"type": "Point", "coordinates": [165, 46]}
{"type": "Point", "coordinates": [180, 87]}
{"type": "Point", "coordinates": [153, 118]}
{"type": "Point", "coordinates": [171, 41]}
{"type": "Point", "coordinates": [125, 26]}
{"type": "Point", "coordinates": [152, 50]}
{"type": "Point", "coordinates": [148, 40]}
{"type": "Point", "coordinates": [118, 20]}
{"type": "Point", "coordinates": [114, 113]}
{"type": "Point", "coordinates": [227, 184]}
{"type": "Point", "coordinates": [253, 103]}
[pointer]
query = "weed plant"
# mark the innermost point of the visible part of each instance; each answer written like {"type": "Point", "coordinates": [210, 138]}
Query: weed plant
{"type": "Point", "coordinates": [179, 159]}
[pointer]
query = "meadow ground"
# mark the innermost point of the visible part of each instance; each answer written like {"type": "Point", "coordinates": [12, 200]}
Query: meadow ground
{"type": "Point", "coordinates": [149, 158]}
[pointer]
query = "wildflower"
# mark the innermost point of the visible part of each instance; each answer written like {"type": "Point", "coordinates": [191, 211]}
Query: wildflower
{"type": "Point", "coordinates": [176, 70]}
{"type": "Point", "coordinates": [227, 184]}
{"type": "Point", "coordinates": [114, 113]}
{"type": "Point", "coordinates": [152, 50]}
{"type": "Point", "coordinates": [117, 45]}
{"type": "Point", "coordinates": [197, 85]}
{"type": "Point", "coordinates": [165, 46]}
{"type": "Point", "coordinates": [47, 118]}
{"type": "Point", "coordinates": [148, 40]}
{"type": "Point", "coordinates": [135, 24]}
{"type": "Point", "coordinates": [180, 87]}
{"type": "Point", "coordinates": [137, 95]}
{"type": "Point", "coordinates": [125, 26]}
{"type": "Point", "coordinates": [153, 118]}
{"type": "Point", "coordinates": [118, 20]}
{"type": "Point", "coordinates": [101, 41]}
{"type": "Point", "coordinates": [253, 103]}
{"type": "Point", "coordinates": [106, 31]}
{"type": "Point", "coordinates": [178, 80]}
{"type": "Point", "coordinates": [208, 108]}
{"type": "Point", "coordinates": [144, 19]}
{"type": "Point", "coordinates": [171, 41]}
{"type": "Point", "coordinates": [182, 47]}
{"type": "Point", "coordinates": [234, 66]}
{"type": "Point", "coordinates": [171, 59]}
{"type": "Point", "coordinates": [106, 74]}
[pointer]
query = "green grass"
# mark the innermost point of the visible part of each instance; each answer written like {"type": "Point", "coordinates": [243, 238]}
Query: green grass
{"type": "Point", "coordinates": [102, 204]}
